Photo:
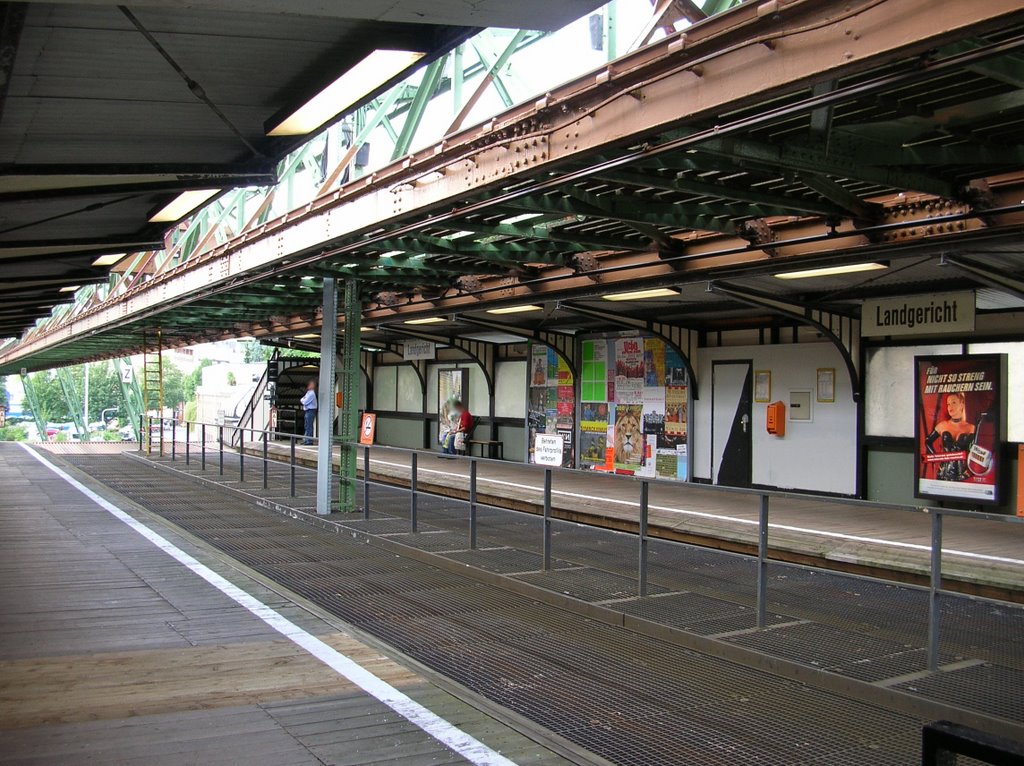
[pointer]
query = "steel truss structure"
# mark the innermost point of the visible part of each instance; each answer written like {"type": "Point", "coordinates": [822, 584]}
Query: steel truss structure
{"type": "Point", "coordinates": [777, 135]}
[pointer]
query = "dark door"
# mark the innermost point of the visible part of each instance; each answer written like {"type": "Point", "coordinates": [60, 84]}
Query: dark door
{"type": "Point", "coordinates": [731, 423]}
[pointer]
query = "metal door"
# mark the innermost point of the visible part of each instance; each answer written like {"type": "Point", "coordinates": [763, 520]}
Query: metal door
{"type": "Point", "coordinates": [731, 423]}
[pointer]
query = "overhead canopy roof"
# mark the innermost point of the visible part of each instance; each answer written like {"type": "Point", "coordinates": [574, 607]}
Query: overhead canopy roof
{"type": "Point", "coordinates": [106, 115]}
{"type": "Point", "coordinates": [665, 176]}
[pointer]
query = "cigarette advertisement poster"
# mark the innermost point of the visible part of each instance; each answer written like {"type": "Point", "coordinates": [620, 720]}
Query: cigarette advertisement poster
{"type": "Point", "coordinates": [959, 426]}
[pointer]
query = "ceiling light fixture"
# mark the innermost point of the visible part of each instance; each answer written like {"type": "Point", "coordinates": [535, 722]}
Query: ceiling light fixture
{"type": "Point", "coordinates": [350, 88]}
{"type": "Point", "coordinates": [657, 292]}
{"type": "Point", "coordinates": [108, 260]}
{"type": "Point", "coordinates": [828, 271]}
{"type": "Point", "coordinates": [519, 218]}
{"type": "Point", "coordinates": [69, 288]}
{"type": "Point", "coordinates": [182, 205]}
{"type": "Point", "coordinates": [308, 335]}
{"type": "Point", "coordinates": [515, 309]}
{"type": "Point", "coordinates": [425, 320]}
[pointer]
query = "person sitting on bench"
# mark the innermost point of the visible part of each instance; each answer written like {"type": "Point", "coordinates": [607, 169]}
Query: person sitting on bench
{"type": "Point", "coordinates": [457, 440]}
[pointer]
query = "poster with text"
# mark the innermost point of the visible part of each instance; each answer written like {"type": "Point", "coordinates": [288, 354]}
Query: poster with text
{"type": "Point", "coordinates": [629, 371]}
{"type": "Point", "coordinates": [538, 366]}
{"type": "Point", "coordinates": [959, 425]}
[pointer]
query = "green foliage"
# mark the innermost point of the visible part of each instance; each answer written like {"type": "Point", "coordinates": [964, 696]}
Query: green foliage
{"type": "Point", "coordinates": [4, 399]}
{"type": "Point", "coordinates": [256, 352]}
{"type": "Point", "coordinates": [191, 409]}
{"type": "Point", "coordinates": [232, 380]}
{"type": "Point", "coordinates": [13, 434]}
{"type": "Point", "coordinates": [104, 392]}
{"type": "Point", "coordinates": [194, 379]}
{"type": "Point", "coordinates": [174, 385]}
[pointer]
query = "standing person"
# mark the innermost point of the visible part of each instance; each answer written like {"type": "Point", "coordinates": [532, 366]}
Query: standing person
{"type": "Point", "coordinates": [309, 407]}
{"type": "Point", "coordinates": [462, 427]}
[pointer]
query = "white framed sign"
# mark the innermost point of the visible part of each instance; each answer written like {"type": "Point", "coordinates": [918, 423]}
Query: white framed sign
{"type": "Point", "coordinates": [547, 450]}
{"type": "Point", "coordinates": [918, 314]}
{"type": "Point", "coordinates": [413, 350]}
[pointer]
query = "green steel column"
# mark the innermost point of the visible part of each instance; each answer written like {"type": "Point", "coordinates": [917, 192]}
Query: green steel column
{"type": "Point", "coordinates": [425, 91]}
{"type": "Point", "coordinates": [74, 402]}
{"type": "Point", "coordinates": [131, 394]}
{"type": "Point", "coordinates": [458, 75]}
{"type": "Point", "coordinates": [33, 403]}
{"type": "Point", "coordinates": [325, 397]}
{"type": "Point", "coordinates": [348, 415]}
{"type": "Point", "coordinates": [611, 29]}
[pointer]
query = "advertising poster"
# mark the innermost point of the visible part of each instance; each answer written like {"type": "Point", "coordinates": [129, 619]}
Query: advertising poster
{"type": "Point", "coordinates": [676, 404]}
{"type": "Point", "coordinates": [675, 371]}
{"type": "Point", "coordinates": [959, 414]}
{"type": "Point", "coordinates": [594, 417]}
{"type": "Point", "coordinates": [538, 366]}
{"type": "Point", "coordinates": [594, 377]}
{"type": "Point", "coordinates": [629, 371]}
{"type": "Point", "coordinates": [592, 447]}
{"type": "Point", "coordinates": [629, 437]}
{"type": "Point", "coordinates": [654, 362]}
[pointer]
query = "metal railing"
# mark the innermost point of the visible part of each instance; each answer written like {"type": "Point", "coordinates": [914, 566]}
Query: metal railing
{"type": "Point", "coordinates": [546, 475]}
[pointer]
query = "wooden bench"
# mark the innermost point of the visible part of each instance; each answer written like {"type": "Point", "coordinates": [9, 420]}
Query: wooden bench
{"type": "Point", "coordinates": [493, 447]}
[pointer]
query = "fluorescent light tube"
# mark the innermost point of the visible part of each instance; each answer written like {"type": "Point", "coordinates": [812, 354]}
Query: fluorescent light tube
{"type": "Point", "coordinates": [426, 320]}
{"type": "Point", "coordinates": [657, 292]}
{"type": "Point", "coordinates": [515, 309]}
{"type": "Point", "coordinates": [350, 88]}
{"type": "Point", "coordinates": [828, 271]}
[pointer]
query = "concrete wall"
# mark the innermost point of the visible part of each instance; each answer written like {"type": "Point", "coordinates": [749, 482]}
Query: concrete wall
{"type": "Point", "coordinates": [820, 455]}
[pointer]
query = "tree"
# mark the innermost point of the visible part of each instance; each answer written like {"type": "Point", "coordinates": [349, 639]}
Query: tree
{"type": "Point", "coordinates": [256, 352]}
{"type": "Point", "coordinates": [4, 399]}
{"type": "Point", "coordinates": [174, 385]}
{"type": "Point", "coordinates": [194, 379]}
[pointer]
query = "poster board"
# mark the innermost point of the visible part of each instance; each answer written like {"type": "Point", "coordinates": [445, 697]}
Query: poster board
{"type": "Point", "coordinates": [960, 410]}
{"type": "Point", "coordinates": [639, 410]}
{"type": "Point", "coordinates": [551, 402]}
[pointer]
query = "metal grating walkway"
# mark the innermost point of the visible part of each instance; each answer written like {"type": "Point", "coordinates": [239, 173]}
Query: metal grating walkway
{"type": "Point", "coordinates": [629, 698]}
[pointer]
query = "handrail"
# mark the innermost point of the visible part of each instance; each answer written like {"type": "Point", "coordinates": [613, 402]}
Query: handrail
{"type": "Point", "coordinates": [249, 412]}
{"type": "Point", "coordinates": [771, 493]}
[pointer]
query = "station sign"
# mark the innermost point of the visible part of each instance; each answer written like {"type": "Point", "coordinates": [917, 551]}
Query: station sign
{"type": "Point", "coordinates": [413, 350]}
{"type": "Point", "coordinates": [918, 314]}
{"type": "Point", "coordinates": [547, 449]}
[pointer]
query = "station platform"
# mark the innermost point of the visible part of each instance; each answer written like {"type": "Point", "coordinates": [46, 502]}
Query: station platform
{"type": "Point", "coordinates": [126, 641]}
{"type": "Point", "coordinates": [682, 675]}
{"type": "Point", "coordinates": [981, 557]}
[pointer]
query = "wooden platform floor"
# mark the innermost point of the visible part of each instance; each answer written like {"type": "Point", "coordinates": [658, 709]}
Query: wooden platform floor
{"type": "Point", "coordinates": [112, 652]}
{"type": "Point", "coordinates": [875, 537]}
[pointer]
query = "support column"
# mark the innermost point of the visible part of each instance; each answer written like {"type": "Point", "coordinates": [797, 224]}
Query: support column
{"type": "Point", "coordinates": [351, 380]}
{"type": "Point", "coordinates": [325, 398]}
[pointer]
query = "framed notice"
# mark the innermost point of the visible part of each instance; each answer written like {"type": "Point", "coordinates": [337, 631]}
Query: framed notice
{"type": "Point", "coordinates": [762, 385]}
{"type": "Point", "coordinates": [826, 384]}
{"type": "Point", "coordinates": [960, 406]}
{"type": "Point", "coordinates": [367, 428]}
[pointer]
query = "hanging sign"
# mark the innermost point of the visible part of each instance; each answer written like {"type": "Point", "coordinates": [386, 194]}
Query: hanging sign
{"type": "Point", "coordinates": [918, 314]}
{"type": "Point", "coordinates": [959, 413]}
{"type": "Point", "coordinates": [127, 373]}
{"type": "Point", "coordinates": [413, 350]}
{"type": "Point", "coordinates": [547, 449]}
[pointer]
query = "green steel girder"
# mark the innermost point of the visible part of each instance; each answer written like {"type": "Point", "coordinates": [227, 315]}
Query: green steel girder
{"type": "Point", "coordinates": [74, 402]}
{"type": "Point", "coordinates": [761, 203]}
{"type": "Point", "coordinates": [131, 393]}
{"type": "Point", "coordinates": [606, 205]}
{"type": "Point", "coordinates": [350, 379]}
{"type": "Point", "coordinates": [425, 92]}
{"type": "Point", "coordinates": [33, 403]}
{"type": "Point", "coordinates": [569, 241]}
{"type": "Point", "coordinates": [810, 159]}
{"type": "Point", "coordinates": [630, 211]}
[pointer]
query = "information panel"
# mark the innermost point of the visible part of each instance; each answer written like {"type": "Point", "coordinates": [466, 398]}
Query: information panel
{"type": "Point", "coordinates": [959, 426]}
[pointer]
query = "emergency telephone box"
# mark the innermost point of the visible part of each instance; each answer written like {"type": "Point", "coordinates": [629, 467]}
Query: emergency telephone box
{"type": "Point", "coordinates": [775, 418]}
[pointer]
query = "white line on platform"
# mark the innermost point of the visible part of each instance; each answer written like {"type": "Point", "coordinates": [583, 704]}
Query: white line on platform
{"type": "Point", "coordinates": [735, 519]}
{"type": "Point", "coordinates": [444, 732]}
